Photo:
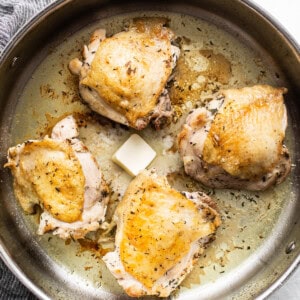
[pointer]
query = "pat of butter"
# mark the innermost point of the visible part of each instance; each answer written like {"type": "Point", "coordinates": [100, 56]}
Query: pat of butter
{"type": "Point", "coordinates": [134, 155]}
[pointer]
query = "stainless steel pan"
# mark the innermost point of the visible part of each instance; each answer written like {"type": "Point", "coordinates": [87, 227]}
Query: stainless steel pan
{"type": "Point", "coordinates": [259, 258]}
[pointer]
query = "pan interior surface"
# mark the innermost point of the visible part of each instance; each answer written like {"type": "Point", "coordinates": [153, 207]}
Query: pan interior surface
{"type": "Point", "coordinates": [255, 224]}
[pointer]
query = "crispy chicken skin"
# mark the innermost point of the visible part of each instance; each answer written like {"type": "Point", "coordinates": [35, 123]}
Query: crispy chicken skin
{"type": "Point", "coordinates": [62, 176]}
{"type": "Point", "coordinates": [237, 140]}
{"type": "Point", "coordinates": [123, 77]}
{"type": "Point", "coordinates": [160, 235]}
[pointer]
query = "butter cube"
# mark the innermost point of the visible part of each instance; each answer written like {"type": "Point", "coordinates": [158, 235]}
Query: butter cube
{"type": "Point", "coordinates": [134, 155]}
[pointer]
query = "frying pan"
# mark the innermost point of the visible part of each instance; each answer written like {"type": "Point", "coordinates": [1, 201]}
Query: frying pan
{"type": "Point", "coordinates": [51, 269]}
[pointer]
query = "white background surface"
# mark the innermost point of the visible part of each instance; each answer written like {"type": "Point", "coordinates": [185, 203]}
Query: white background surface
{"type": "Point", "coordinates": [286, 12]}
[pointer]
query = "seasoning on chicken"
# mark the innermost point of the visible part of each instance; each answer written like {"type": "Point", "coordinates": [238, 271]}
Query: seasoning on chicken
{"type": "Point", "coordinates": [62, 176]}
{"type": "Point", "coordinates": [237, 140]}
{"type": "Point", "coordinates": [160, 235]}
{"type": "Point", "coordinates": [124, 77]}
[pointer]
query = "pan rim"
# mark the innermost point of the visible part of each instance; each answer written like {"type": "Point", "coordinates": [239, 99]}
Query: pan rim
{"type": "Point", "coordinates": [34, 22]}
{"type": "Point", "coordinates": [273, 21]}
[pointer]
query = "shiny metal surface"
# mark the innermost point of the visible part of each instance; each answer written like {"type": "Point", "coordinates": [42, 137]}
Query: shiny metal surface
{"type": "Point", "coordinates": [272, 261]}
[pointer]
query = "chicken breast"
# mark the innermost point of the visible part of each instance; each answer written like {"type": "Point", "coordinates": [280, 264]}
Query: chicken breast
{"type": "Point", "coordinates": [237, 140]}
{"type": "Point", "coordinates": [160, 235]}
{"type": "Point", "coordinates": [123, 77]}
{"type": "Point", "coordinates": [62, 176]}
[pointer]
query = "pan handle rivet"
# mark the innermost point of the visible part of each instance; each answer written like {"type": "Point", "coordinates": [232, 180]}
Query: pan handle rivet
{"type": "Point", "coordinates": [14, 61]}
{"type": "Point", "coordinates": [290, 247]}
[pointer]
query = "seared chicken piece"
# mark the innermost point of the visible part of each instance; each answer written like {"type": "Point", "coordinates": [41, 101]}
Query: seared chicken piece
{"type": "Point", "coordinates": [62, 176]}
{"type": "Point", "coordinates": [123, 77]}
{"type": "Point", "coordinates": [160, 234]}
{"type": "Point", "coordinates": [237, 141]}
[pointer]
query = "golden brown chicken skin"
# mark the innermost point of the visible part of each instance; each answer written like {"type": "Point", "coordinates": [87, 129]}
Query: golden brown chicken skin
{"type": "Point", "coordinates": [123, 77]}
{"type": "Point", "coordinates": [239, 142]}
{"type": "Point", "coordinates": [160, 234]}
